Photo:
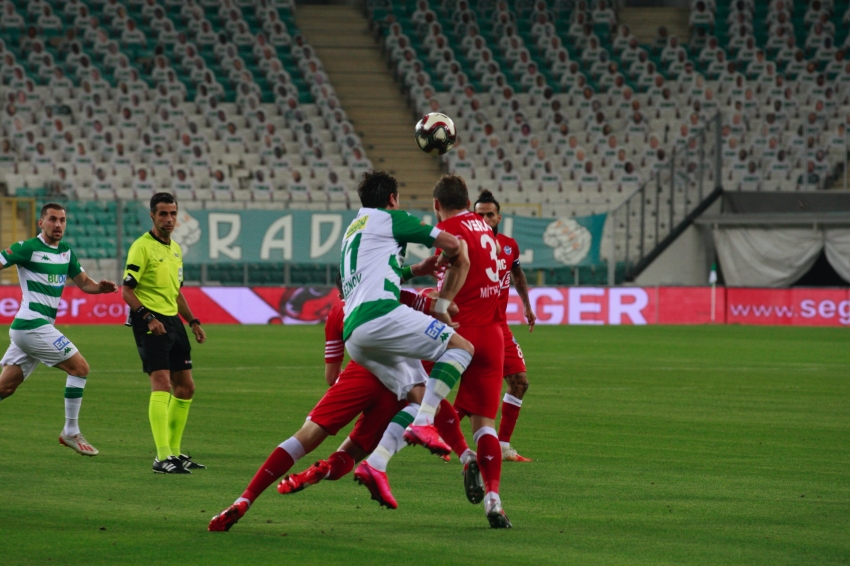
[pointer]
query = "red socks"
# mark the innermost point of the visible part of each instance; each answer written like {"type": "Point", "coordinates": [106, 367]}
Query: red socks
{"type": "Point", "coordinates": [489, 459]}
{"type": "Point", "coordinates": [277, 464]}
{"type": "Point", "coordinates": [510, 414]}
{"type": "Point", "coordinates": [341, 463]}
{"type": "Point", "coordinates": [447, 423]}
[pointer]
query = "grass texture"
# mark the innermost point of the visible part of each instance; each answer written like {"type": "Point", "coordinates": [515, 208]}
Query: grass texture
{"type": "Point", "coordinates": [653, 445]}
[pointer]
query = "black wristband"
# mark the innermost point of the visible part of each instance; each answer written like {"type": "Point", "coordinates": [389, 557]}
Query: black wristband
{"type": "Point", "coordinates": [141, 311]}
{"type": "Point", "coordinates": [150, 317]}
{"type": "Point", "coordinates": [194, 321]}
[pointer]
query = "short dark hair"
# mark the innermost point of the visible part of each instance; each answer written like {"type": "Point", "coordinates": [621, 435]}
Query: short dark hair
{"type": "Point", "coordinates": [451, 192]}
{"type": "Point", "coordinates": [486, 197]}
{"type": "Point", "coordinates": [50, 206]}
{"type": "Point", "coordinates": [375, 189]}
{"type": "Point", "coordinates": [338, 281]}
{"type": "Point", "coordinates": [167, 198]}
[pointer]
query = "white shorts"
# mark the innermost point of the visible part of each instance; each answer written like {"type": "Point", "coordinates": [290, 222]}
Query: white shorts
{"type": "Point", "coordinates": [392, 346]}
{"type": "Point", "coordinates": [44, 344]}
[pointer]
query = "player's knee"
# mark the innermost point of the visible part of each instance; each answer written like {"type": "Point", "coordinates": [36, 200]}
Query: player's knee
{"type": "Point", "coordinates": [517, 384]}
{"type": "Point", "coordinates": [160, 380]}
{"type": "Point", "coordinates": [187, 390]}
{"type": "Point", "coordinates": [461, 343]}
{"type": "Point", "coordinates": [6, 389]}
{"type": "Point", "coordinates": [80, 368]}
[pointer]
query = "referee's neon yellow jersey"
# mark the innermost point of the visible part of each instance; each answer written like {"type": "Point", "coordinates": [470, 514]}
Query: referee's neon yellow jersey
{"type": "Point", "coordinates": [155, 272]}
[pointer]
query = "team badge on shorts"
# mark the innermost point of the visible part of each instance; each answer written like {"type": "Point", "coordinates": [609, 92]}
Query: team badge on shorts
{"type": "Point", "coordinates": [435, 329]}
{"type": "Point", "coordinates": [60, 343]}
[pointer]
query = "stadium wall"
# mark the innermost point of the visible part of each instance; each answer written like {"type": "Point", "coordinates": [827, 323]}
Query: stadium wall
{"type": "Point", "coordinates": [553, 305]}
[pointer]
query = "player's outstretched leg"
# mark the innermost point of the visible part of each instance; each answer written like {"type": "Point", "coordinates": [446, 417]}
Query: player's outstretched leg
{"type": "Point", "coordinates": [293, 483]}
{"type": "Point", "coordinates": [71, 435]}
{"type": "Point", "coordinates": [490, 462]}
{"type": "Point", "coordinates": [511, 405]}
{"type": "Point", "coordinates": [444, 376]}
{"type": "Point", "coordinates": [278, 463]}
{"type": "Point", "coordinates": [372, 472]}
{"type": "Point", "coordinates": [447, 423]}
{"type": "Point", "coordinates": [336, 466]}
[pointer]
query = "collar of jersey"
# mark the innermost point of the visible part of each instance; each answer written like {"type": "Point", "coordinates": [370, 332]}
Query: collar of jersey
{"type": "Point", "coordinates": [56, 247]}
{"type": "Point", "coordinates": [158, 240]}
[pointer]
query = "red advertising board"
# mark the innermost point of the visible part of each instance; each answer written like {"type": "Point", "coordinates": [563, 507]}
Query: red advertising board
{"type": "Point", "coordinates": [797, 307]}
{"type": "Point", "coordinates": [553, 305]}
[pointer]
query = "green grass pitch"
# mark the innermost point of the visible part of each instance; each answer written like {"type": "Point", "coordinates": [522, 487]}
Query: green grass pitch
{"type": "Point", "coordinates": [655, 445]}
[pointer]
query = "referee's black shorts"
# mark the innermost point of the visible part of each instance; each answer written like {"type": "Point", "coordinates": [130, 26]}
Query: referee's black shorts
{"type": "Point", "coordinates": [171, 351]}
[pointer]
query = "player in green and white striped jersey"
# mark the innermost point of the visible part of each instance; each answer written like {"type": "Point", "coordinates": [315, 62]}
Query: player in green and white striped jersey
{"type": "Point", "coordinates": [44, 264]}
{"type": "Point", "coordinates": [386, 337]}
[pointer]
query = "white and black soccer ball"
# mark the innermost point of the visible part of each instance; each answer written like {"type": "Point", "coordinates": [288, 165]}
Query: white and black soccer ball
{"type": "Point", "coordinates": [435, 133]}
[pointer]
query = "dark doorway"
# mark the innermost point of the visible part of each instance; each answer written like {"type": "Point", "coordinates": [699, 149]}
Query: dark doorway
{"type": "Point", "coordinates": [821, 275]}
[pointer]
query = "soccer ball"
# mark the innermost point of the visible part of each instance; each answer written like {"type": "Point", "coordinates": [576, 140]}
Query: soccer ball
{"type": "Point", "coordinates": [435, 133]}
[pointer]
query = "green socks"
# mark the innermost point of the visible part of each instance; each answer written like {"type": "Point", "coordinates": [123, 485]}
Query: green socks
{"type": "Point", "coordinates": [158, 415]}
{"type": "Point", "coordinates": [178, 413]}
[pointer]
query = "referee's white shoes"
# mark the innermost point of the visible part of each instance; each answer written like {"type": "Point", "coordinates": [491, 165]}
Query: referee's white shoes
{"type": "Point", "coordinates": [79, 444]}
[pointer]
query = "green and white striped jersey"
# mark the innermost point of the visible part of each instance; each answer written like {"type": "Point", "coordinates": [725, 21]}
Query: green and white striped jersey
{"type": "Point", "coordinates": [42, 271]}
{"type": "Point", "coordinates": [373, 251]}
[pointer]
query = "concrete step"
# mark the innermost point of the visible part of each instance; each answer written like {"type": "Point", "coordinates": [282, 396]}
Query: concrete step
{"type": "Point", "coordinates": [644, 22]}
{"type": "Point", "coordinates": [370, 96]}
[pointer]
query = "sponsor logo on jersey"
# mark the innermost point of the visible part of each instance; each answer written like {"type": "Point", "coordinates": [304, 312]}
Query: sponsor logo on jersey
{"type": "Point", "coordinates": [56, 279]}
{"type": "Point", "coordinates": [435, 329]}
{"type": "Point", "coordinates": [68, 349]}
{"type": "Point", "coordinates": [356, 226]}
{"type": "Point", "coordinates": [490, 291]}
{"type": "Point", "coordinates": [60, 343]}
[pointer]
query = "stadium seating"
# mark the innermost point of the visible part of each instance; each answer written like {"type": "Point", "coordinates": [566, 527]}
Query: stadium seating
{"type": "Point", "coordinates": [558, 106]}
{"type": "Point", "coordinates": [560, 109]}
{"type": "Point", "coordinates": [217, 101]}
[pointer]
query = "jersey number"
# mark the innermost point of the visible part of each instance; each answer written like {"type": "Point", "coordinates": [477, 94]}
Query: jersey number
{"type": "Point", "coordinates": [348, 265]}
{"type": "Point", "coordinates": [489, 244]}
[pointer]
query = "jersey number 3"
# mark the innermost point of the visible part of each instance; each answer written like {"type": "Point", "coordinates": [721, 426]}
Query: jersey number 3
{"type": "Point", "coordinates": [489, 244]}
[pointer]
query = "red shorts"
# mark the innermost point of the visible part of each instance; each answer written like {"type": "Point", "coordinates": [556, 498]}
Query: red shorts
{"type": "Point", "coordinates": [481, 384]}
{"type": "Point", "coordinates": [357, 392]}
{"type": "Point", "coordinates": [514, 362]}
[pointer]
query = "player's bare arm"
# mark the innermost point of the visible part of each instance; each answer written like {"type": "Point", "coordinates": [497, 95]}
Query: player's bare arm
{"type": "Point", "coordinates": [454, 279]}
{"type": "Point", "coordinates": [194, 324]}
{"type": "Point", "coordinates": [92, 287]}
{"type": "Point", "coordinates": [450, 246]}
{"type": "Point", "coordinates": [129, 296]}
{"type": "Point", "coordinates": [332, 371]}
{"type": "Point", "coordinates": [427, 266]}
{"type": "Point", "coordinates": [434, 295]}
{"type": "Point", "coordinates": [521, 286]}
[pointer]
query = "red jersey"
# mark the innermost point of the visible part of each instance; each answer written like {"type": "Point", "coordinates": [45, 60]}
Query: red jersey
{"type": "Point", "coordinates": [478, 299]}
{"type": "Point", "coordinates": [334, 345]}
{"type": "Point", "coordinates": [508, 260]}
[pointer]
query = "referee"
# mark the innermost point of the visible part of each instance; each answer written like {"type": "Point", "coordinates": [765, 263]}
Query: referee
{"type": "Point", "coordinates": [152, 281]}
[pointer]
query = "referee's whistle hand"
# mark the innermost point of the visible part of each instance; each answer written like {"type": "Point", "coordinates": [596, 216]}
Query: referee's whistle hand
{"type": "Point", "coordinates": [156, 327]}
{"type": "Point", "coordinates": [199, 333]}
